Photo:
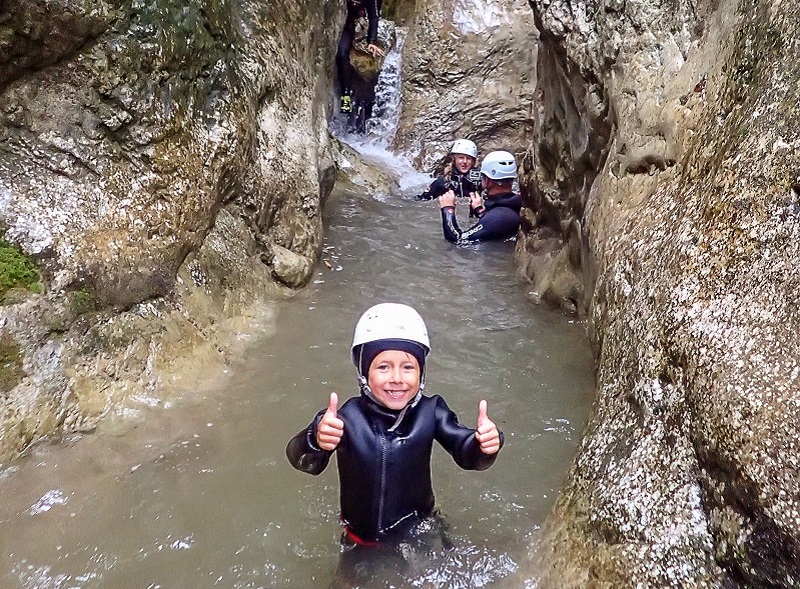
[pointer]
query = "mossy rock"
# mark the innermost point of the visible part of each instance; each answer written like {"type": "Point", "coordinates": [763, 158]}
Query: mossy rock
{"type": "Point", "coordinates": [401, 12]}
{"type": "Point", "coordinates": [84, 301]}
{"type": "Point", "coordinates": [11, 372]}
{"type": "Point", "coordinates": [17, 272]}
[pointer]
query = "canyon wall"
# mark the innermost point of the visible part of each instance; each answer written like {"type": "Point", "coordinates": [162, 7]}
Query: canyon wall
{"type": "Point", "coordinates": [665, 194]}
{"type": "Point", "coordinates": [164, 165]}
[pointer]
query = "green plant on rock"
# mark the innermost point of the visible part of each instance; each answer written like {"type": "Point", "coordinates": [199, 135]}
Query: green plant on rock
{"type": "Point", "coordinates": [84, 301]}
{"type": "Point", "coordinates": [16, 270]}
{"type": "Point", "coordinates": [10, 365]}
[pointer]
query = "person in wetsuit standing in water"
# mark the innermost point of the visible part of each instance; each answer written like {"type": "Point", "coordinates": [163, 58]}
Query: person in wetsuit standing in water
{"type": "Point", "coordinates": [498, 216]}
{"type": "Point", "coordinates": [344, 69]}
{"type": "Point", "coordinates": [383, 439]}
{"type": "Point", "coordinates": [463, 177]}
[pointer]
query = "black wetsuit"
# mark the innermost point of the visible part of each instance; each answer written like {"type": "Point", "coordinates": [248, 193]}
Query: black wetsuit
{"type": "Point", "coordinates": [355, 8]}
{"type": "Point", "coordinates": [385, 476]}
{"type": "Point", "coordinates": [461, 184]}
{"type": "Point", "coordinates": [499, 219]}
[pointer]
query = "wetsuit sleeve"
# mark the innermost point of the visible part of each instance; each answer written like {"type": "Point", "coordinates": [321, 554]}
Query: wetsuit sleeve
{"type": "Point", "coordinates": [452, 232]}
{"type": "Point", "coordinates": [303, 452]}
{"type": "Point", "coordinates": [460, 441]}
{"type": "Point", "coordinates": [373, 14]}
{"type": "Point", "coordinates": [437, 188]}
{"type": "Point", "coordinates": [498, 223]}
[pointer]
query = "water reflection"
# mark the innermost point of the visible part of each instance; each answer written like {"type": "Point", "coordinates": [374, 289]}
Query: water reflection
{"type": "Point", "coordinates": [200, 494]}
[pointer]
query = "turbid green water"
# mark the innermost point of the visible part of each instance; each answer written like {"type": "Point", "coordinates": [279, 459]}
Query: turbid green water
{"type": "Point", "coordinates": [200, 494]}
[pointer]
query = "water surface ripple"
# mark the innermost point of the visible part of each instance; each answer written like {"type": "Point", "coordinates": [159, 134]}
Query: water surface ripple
{"type": "Point", "coordinates": [200, 494]}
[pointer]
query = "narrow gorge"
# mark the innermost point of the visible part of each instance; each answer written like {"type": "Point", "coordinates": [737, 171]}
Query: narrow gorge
{"type": "Point", "coordinates": [166, 167]}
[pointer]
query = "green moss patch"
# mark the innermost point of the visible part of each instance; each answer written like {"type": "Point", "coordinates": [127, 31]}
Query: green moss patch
{"type": "Point", "coordinates": [11, 372]}
{"type": "Point", "coordinates": [84, 301]}
{"type": "Point", "coordinates": [16, 271]}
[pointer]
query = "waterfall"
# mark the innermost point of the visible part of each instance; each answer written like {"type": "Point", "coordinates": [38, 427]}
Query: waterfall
{"type": "Point", "coordinates": [382, 126]}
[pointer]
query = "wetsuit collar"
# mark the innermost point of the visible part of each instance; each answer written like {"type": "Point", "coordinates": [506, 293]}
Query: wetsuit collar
{"type": "Point", "coordinates": [509, 200]}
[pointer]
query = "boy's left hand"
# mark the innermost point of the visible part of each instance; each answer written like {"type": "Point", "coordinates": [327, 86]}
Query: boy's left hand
{"type": "Point", "coordinates": [487, 435]}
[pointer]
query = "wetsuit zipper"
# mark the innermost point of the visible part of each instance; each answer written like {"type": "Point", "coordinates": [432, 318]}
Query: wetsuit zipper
{"type": "Point", "coordinates": [383, 483]}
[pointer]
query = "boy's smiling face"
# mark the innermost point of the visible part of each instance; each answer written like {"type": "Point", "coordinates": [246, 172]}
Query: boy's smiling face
{"type": "Point", "coordinates": [394, 378]}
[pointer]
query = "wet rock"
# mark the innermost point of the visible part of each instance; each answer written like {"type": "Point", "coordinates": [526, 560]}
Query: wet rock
{"type": "Point", "coordinates": [356, 173]}
{"type": "Point", "coordinates": [149, 154]}
{"type": "Point", "coordinates": [289, 268]}
{"type": "Point", "coordinates": [671, 134]}
{"type": "Point", "coordinates": [35, 35]}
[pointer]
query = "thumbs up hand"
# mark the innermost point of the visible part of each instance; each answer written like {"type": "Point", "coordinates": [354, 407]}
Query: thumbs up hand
{"type": "Point", "coordinates": [330, 428]}
{"type": "Point", "coordinates": [487, 434]}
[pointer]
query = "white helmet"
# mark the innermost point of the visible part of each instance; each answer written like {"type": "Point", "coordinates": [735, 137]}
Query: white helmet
{"type": "Point", "coordinates": [499, 165]}
{"type": "Point", "coordinates": [465, 147]}
{"type": "Point", "coordinates": [389, 321]}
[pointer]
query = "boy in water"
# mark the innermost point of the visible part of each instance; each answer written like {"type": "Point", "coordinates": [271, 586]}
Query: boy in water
{"type": "Point", "coordinates": [384, 437]}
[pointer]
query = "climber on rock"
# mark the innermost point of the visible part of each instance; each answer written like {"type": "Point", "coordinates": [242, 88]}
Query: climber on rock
{"type": "Point", "coordinates": [344, 69]}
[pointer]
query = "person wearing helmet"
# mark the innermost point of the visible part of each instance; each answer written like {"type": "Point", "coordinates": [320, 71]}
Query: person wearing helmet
{"type": "Point", "coordinates": [499, 216]}
{"type": "Point", "coordinates": [344, 69]}
{"type": "Point", "coordinates": [383, 438]}
{"type": "Point", "coordinates": [461, 176]}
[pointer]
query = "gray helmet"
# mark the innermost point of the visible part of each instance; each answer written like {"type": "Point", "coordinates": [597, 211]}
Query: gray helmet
{"type": "Point", "coordinates": [499, 165]}
{"type": "Point", "coordinates": [465, 147]}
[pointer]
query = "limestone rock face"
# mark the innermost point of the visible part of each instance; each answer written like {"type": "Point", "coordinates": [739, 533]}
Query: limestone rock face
{"type": "Point", "coordinates": [469, 71]}
{"type": "Point", "coordinates": [153, 156]}
{"type": "Point", "coordinates": [667, 168]}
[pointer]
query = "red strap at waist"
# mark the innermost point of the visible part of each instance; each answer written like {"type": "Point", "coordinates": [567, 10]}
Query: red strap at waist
{"type": "Point", "coordinates": [358, 540]}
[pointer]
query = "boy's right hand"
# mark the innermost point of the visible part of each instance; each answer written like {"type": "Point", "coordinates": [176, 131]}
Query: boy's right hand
{"type": "Point", "coordinates": [330, 428]}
